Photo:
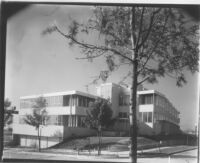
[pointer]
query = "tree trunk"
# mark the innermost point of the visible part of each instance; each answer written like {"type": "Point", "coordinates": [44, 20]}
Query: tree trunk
{"type": "Point", "coordinates": [99, 135]}
{"type": "Point", "coordinates": [133, 117]}
{"type": "Point", "coordinates": [133, 108]}
{"type": "Point", "coordinates": [2, 73]}
{"type": "Point", "coordinates": [39, 139]}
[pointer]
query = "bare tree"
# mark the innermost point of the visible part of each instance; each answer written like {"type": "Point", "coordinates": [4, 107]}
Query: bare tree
{"type": "Point", "coordinates": [154, 42]}
{"type": "Point", "coordinates": [38, 117]}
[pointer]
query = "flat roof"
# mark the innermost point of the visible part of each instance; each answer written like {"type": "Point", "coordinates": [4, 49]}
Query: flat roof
{"type": "Point", "coordinates": [73, 92]}
{"type": "Point", "coordinates": [150, 92]}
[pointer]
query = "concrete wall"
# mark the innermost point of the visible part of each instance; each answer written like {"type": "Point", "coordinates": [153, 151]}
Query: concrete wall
{"type": "Point", "coordinates": [146, 108]}
{"type": "Point", "coordinates": [32, 141]}
{"type": "Point", "coordinates": [47, 131]}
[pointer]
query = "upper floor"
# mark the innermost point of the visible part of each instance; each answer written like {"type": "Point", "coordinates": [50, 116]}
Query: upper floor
{"type": "Point", "coordinates": [59, 99]}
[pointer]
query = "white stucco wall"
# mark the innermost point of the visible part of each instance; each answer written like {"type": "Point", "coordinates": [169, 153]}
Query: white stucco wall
{"type": "Point", "coordinates": [146, 108]}
{"type": "Point", "coordinates": [49, 131]}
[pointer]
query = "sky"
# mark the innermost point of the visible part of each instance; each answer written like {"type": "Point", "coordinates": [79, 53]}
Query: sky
{"type": "Point", "coordinates": [37, 64]}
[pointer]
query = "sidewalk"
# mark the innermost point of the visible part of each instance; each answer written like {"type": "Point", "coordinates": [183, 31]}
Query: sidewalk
{"type": "Point", "coordinates": [20, 153]}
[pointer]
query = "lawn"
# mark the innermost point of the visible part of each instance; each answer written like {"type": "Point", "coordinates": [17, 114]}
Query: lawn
{"type": "Point", "coordinates": [109, 143]}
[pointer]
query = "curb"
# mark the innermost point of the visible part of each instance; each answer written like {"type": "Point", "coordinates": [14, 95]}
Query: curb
{"type": "Point", "coordinates": [151, 155]}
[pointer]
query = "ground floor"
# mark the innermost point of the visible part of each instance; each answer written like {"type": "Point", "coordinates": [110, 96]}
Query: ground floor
{"type": "Point", "coordinates": [48, 135]}
{"type": "Point", "coordinates": [60, 127]}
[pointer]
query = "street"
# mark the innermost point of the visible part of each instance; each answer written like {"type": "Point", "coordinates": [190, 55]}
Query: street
{"type": "Point", "coordinates": [182, 157]}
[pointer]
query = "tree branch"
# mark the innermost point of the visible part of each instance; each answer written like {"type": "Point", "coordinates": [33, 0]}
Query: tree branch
{"type": "Point", "coordinates": [141, 22]}
{"type": "Point", "coordinates": [150, 27]}
{"type": "Point", "coordinates": [145, 79]}
{"type": "Point", "coordinates": [90, 46]}
{"type": "Point", "coordinates": [91, 57]}
{"type": "Point", "coordinates": [154, 48]}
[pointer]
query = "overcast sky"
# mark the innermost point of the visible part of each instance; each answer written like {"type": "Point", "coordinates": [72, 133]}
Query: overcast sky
{"type": "Point", "coordinates": [37, 64]}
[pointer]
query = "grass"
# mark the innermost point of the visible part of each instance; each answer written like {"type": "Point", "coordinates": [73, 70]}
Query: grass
{"type": "Point", "coordinates": [108, 143]}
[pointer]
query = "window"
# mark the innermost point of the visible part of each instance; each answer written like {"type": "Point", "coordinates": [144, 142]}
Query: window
{"type": "Point", "coordinates": [146, 116]}
{"type": "Point", "coordinates": [66, 100]}
{"type": "Point", "coordinates": [140, 115]}
{"type": "Point", "coordinates": [150, 116]}
{"type": "Point", "coordinates": [123, 115]}
{"type": "Point", "coordinates": [84, 101]}
{"type": "Point", "coordinates": [60, 120]}
{"type": "Point", "coordinates": [81, 101]}
{"type": "Point", "coordinates": [146, 99]}
{"type": "Point", "coordinates": [65, 120]}
{"type": "Point", "coordinates": [81, 120]}
{"type": "Point", "coordinates": [124, 100]}
{"type": "Point", "coordinates": [55, 120]}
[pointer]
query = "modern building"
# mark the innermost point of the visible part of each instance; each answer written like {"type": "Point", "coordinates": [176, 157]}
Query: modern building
{"type": "Point", "coordinates": [157, 111]}
{"type": "Point", "coordinates": [156, 114]}
{"type": "Point", "coordinates": [67, 111]}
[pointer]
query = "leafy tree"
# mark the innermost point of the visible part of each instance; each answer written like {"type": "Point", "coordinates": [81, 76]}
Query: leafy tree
{"type": "Point", "coordinates": [99, 116]}
{"type": "Point", "coordinates": [38, 117]}
{"type": "Point", "coordinates": [153, 41]}
{"type": "Point", "coordinates": [8, 113]}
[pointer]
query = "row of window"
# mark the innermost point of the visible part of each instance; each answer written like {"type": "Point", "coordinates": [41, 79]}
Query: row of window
{"type": "Point", "coordinates": [67, 100]}
{"type": "Point", "coordinates": [164, 103]}
{"type": "Point", "coordinates": [61, 120]}
{"type": "Point", "coordinates": [166, 117]}
{"type": "Point", "coordinates": [54, 100]}
{"type": "Point", "coordinates": [146, 99]}
{"type": "Point", "coordinates": [77, 100]}
{"type": "Point", "coordinates": [123, 115]}
{"type": "Point", "coordinates": [146, 117]}
{"type": "Point", "coordinates": [161, 102]}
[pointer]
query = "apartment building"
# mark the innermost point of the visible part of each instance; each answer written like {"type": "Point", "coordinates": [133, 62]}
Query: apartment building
{"type": "Point", "coordinates": [67, 110]}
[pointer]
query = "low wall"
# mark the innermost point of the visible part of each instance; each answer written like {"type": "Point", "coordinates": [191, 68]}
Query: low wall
{"type": "Point", "coordinates": [32, 141]}
{"type": "Point", "coordinates": [47, 131]}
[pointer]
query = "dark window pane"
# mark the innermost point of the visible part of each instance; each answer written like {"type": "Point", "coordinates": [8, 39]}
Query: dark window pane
{"type": "Point", "coordinates": [66, 100]}
{"type": "Point", "coordinates": [149, 116]}
{"type": "Point", "coordinates": [144, 116]}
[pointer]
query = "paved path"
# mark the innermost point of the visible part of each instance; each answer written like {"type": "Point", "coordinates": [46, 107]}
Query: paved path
{"type": "Point", "coordinates": [186, 157]}
{"type": "Point", "coordinates": [18, 153]}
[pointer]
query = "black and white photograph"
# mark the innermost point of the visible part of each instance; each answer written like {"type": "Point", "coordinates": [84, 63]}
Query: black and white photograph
{"type": "Point", "coordinates": [99, 82]}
